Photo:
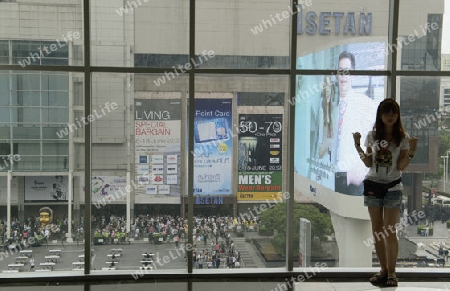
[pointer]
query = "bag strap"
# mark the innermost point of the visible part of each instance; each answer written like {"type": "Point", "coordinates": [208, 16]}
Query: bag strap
{"type": "Point", "coordinates": [393, 183]}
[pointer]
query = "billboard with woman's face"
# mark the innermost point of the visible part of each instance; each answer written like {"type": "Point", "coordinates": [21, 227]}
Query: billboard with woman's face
{"type": "Point", "coordinates": [330, 108]}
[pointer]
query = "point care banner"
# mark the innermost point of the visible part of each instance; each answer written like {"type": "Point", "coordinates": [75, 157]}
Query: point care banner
{"type": "Point", "coordinates": [212, 146]}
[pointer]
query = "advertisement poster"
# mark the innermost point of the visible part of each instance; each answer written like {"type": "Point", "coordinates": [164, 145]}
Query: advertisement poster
{"type": "Point", "coordinates": [46, 188]}
{"type": "Point", "coordinates": [212, 146]}
{"type": "Point", "coordinates": [330, 108]}
{"type": "Point", "coordinates": [108, 189]}
{"type": "Point", "coordinates": [260, 156]}
{"type": "Point", "coordinates": [157, 149]}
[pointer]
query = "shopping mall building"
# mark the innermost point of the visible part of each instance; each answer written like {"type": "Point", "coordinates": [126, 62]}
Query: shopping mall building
{"type": "Point", "coordinates": [227, 114]}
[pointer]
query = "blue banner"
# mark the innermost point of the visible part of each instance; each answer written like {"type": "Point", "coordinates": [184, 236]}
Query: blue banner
{"type": "Point", "coordinates": [212, 146]}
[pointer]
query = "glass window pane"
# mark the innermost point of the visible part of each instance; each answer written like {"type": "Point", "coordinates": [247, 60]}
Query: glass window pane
{"type": "Point", "coordinates": [27, 114]}
{"type": "Point", "coordinates": [4, 98]}
{"type": "Point", "coordinates": [5, 148]}
{"type": "Point", "coordinates": [156, 174]}
{"type": "Point", "coordinates": [4, 84]}
{"type": "Point", "coordinates": [55, 131]}
{"type": "Point", "coordinates": [5, 132]}
{"type": "Point", "coordinates": [58, 82]}
{"type": "Point", "coordinates": [225, 119]}
{"type": "Point", "coordinates": [328, 110]}
{"type": "Point", "coordinates": [26, 131]}
{"type": "Point", "coordinates": [47, 34]}
{"type": "Point", "coordinates": [52, 98]}
{"type": "Point", "coordinates": [55, 115]}
{"type": "Point", "coordinates": [38, 154]}
{"type": "Point", "coordinates": [240, 122]}
{"type": "Point", "coordinates": [421, 32]}
{"type": "Point", "coordinates": [4, 52]}
{"type": "Point", "coordinates": [323, 34]}
{"type": "Point", "coordinates": [28, 98]}
{"type": "Point", "coordinates": [122, 32]}
{"type": "Point", "coordinates": [55, 148]}
{"type": "Point", "coordinates": [242, 35]}
{"type": "Point", "coordinates": [28, 164]}
{"type": "Point", "coordinates": [26, 82]}
{"type": "Point", "coordinates": [54, 163]}
{"type": "Point", "coordinates": [26, 148]}
{"type": "Point", "coordinates": [424, 118]}
{"type": "Point", "coordinates": [4, 114]}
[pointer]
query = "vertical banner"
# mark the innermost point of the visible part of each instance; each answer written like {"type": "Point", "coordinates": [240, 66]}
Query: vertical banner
{"type": "Point", "coordinates": [212, 146]}
{"type": "Point", "coordinates": [260, 156]}
{"type": "Point", "coordinates": [157, 148]}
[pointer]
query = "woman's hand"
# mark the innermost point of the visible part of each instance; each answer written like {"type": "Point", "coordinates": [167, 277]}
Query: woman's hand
{"type": "Point", "coordinates": [413, 143]}
{"type": "Point", "coordinates": [357, 137]}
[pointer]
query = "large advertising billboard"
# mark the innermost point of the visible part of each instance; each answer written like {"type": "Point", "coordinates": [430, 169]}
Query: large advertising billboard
{"type": "Point", "coordinates": [157, 148]}
{"type": "Point", "coordinates": [212, 146]}
{"type": "Point", "coordinates": [108, 189]}
{"type": "Point", "coordinates": [260, 156]}
{"type": "Point", "coordinates": [46, 188]}
{"type": "Point", "coordinates": [330, 108]}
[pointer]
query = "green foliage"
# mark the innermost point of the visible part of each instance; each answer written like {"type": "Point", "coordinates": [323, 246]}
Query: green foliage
{"type": "Point", "coordinates": [265, 231]}
{"type": "Point", "coordinates": [38, 240]}
{"type": "Point", "coordinates": [275, 218]}
{"type": "Point", "coordinates": [422, 227]}
{"type": "Point", "coordinates": [156, 237]}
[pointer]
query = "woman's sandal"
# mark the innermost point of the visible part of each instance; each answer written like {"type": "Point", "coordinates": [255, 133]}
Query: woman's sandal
{"type": "Point", "coordinates": [378, 279]}
{"type": "Point", "coordinates": [392, 282]}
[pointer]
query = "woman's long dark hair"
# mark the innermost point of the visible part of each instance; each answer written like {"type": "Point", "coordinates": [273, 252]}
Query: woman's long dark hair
{"type": "Point", "coordinates": [387, 106]}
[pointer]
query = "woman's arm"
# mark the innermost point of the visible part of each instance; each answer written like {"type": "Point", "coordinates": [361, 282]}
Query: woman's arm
{"type": "Point", "coordinates": [407, 154]}
{"type": "Point", "coordinates": [365, 157]}
{"type": "Point", "coordinates": [404, 158]}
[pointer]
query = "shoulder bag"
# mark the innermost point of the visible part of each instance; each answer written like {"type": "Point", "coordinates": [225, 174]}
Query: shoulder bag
{"type": "Point", "coordinates": [378, 190]}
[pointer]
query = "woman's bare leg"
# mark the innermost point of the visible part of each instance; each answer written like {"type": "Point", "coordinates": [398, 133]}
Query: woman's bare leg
{"type": "Point", "coordinates": [376, 217]}
{"type": "Point", "coordinates": [391, 216]}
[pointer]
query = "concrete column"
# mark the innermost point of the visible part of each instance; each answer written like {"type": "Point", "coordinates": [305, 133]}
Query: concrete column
{"type": "Point", "coordinates": [8, 204]}
{"type": "Point", "coordinates": [129, 204]}
{"type": "Point", "coordinates": [69, 208]}
{"type": "Point", "coordinates": [351, 234]}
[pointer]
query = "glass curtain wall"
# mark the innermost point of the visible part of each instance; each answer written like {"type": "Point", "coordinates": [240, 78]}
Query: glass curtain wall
{"type": "Point", "coordinates": [192, 127]}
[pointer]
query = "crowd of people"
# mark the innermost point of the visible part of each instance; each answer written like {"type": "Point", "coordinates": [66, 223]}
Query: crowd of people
{"type": "Point", "coordinates": [161, 228]}
{"type": "Point", "coordinates": [31, 226]}
{"type": "Point", "coordinates": [168, 228]}
{"type": "Point", "coordinates": [222, 254]}
{"type": "Point", "coordinates": [212, 239]}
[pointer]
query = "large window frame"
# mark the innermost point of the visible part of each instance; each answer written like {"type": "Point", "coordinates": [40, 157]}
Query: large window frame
{"type": "Point", "coordinates": [392, 73]}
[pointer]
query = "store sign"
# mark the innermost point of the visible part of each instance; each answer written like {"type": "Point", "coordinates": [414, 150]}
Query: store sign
{"type": "Point", "coordinates": [208, 200]}
{"type": "Point", "coordinates": [328, 22]}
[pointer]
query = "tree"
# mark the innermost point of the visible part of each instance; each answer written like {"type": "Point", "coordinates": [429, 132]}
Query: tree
{"type": "Point", "coordinates": [275, 218]}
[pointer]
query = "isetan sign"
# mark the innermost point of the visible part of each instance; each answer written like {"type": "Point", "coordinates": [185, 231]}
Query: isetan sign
{"type": "Point", "coordinates": [327, 23]}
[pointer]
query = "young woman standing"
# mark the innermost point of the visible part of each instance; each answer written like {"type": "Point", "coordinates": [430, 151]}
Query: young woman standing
{"type": "Point", "coordinates": [389, 151]}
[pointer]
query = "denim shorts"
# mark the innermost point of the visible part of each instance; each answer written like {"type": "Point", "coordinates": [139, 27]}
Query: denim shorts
{"type": "Point", "coordinates": [393, 199]}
